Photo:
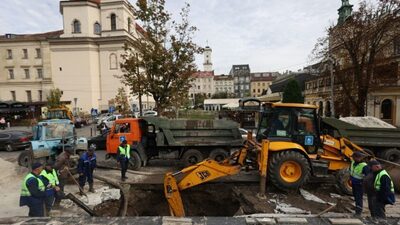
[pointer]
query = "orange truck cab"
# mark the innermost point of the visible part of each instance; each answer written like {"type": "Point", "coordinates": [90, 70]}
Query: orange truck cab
{"type": "Point", "coordinates": [190, 141]}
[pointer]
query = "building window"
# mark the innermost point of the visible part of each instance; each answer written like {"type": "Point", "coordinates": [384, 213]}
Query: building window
{"type": "Point", "coordinates": [38, 53]}
{"type": "Point", "coordinates": [113, 61]}
{"type": "Point", "coordinates": [76, 26]}
{"type": "Point", "coordinates": [198, 87]}
{"type": "Point", "coordinates": [28, 96]}
{"type": "Point", "coordinates": [97, 28]}
{"type": "Point", "coordinates": [254, 90]}
{"type": "Point", "coordinates": [27, 75]}
{"type": "Point", "coordinates": [258, 90]}
{"type": "Point", "coordinates": [13, 96]}
{"type": "Point", "coordinates": [40, 95]}
{"type": "Point", "coordinates": [39, 73]}
{"type": "Point", "coordinates": [9, 54]}
{"type": "Point", "coordinates": [11, 74]}
{"type": "Point", "coordinates": [129, 25]}
{"type": "Point", "coordinates": [25, 53]}
{"type": "Point", "coordinates": [113, 20]}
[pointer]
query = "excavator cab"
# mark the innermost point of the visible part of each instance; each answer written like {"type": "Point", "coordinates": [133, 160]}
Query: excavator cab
{"type": "Point", "coordinates": [296, 123]}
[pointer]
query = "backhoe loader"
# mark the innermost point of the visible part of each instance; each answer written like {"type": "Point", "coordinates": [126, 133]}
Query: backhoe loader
{"type": "Point", "coordinates": [288, 150]}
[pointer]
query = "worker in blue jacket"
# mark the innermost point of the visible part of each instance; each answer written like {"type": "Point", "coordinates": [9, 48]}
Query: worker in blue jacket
{"type": "Point", "coordinates": [33, 192]}
{"type": "Point", "coordinates": [358, 170]}
{"type": "Point", "coordinates": [384, 190]}
{"type": "Point", "coordinates": [86, 166]}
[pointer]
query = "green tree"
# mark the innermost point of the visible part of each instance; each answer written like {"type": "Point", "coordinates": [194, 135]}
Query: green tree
{"type": "Point", "coordinates": [199, 99]}
{"type": "Point", "coordinates": [161, 60]}
{"type": "Point", "coordinates": [220, 95]}
{"type": "Point", "coordinates": [121, 101]}
{"type": "Point", "coordinates": [292, 93]}
{"type": "Point", "coordinates": [54, 98]}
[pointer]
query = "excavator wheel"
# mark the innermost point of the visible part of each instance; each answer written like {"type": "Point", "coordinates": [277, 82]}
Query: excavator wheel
{"type": "Point", "coordinates": [343, 182]}
{"type": "Point", "coordinates": [288, 170]}
{"type": "Point", "coordinates": [191, 157]}
{"type": "Point", "coordinates": [135, 162]}
{"type": "Point", "coordinates": [218, 154]}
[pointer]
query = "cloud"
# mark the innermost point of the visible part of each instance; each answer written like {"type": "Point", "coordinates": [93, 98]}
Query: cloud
{"type": "Point", "coordinates": [269, 35]}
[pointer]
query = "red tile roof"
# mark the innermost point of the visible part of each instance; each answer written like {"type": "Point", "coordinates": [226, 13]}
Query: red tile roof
{"type": "Point", "coordinates": [223, 77]}
{"type": "Point", "coordinates": [140, 29]}
{"type": "Point", "coordinates": [200, 74]}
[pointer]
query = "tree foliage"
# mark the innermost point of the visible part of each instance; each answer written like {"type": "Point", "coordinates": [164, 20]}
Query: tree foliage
{"type": "Point", "coordinates": [160, 62]}
{"type": "Point", "coordinates": [54, 98]}
{"type": "Point", "coordinates": [359, 45]}
{"type": "Point", "coordinates": [121, 101]}
{"type": "Point", "coordinates": [292, 93]}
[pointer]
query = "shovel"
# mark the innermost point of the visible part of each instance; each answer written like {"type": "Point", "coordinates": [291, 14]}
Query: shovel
{"type": "Point", "coordinates": [76, 182]}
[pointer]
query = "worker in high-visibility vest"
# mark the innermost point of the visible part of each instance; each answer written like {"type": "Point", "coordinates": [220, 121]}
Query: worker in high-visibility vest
{"type": "Point", "coordinates": [358, 170]}
{"type": "Point", "coordinates": [384, 191]}
{"type": "Point", "coordinates": [50, 179]}
{"type": "Point", "coordinates": [33, 192]}
{"type": "Point", "coordinates": [124, 154]}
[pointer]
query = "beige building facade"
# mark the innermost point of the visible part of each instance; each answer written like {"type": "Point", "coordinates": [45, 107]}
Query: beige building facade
{"type": "Point", "coordinates": [223, 84]}
{"type": "Point", "coordinates": [260, 82]}
{"type": "Point", "coordinates": [83, 60]}
{"type": "Point", "coordinates": [25, 67]}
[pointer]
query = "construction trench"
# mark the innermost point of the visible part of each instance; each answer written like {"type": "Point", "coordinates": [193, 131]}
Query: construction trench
{"type": "Point", "coordinates": [235, 196]}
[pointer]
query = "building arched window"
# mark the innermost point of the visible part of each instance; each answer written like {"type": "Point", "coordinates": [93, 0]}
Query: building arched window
{"type": "Point", "coordinates": [113, 20]}
{"type": "Point", "coordinates": [97, 28]}
{"type": "Point", "coordinates": [386, 109]}
{"type": "Point", "coordinates": [129, 24]}
{"type": "Point", "coordinates": [113, 61]}
{"type": "Point", "coordinates": [76, 26]}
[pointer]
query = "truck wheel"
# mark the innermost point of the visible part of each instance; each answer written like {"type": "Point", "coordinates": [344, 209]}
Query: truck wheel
{"type": "Point", "coordinates": [392, 155]}
{"type": "Point", "coordinates": [218, 154]}
{"type": "Point", "coordinates": [135, 162]}
{"type": "Point", "coordinates": [191, 157]}
{"type": "Point", "coordinates": [288, 170]}
{"type": "Point", "coordinates": [343, 182]}
{"type": "Point", "coordinates": [25, 159]}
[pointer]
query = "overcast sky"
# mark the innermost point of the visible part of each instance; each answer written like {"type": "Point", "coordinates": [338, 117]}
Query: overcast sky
{"type": "Point", "coordinates": [270, 35]}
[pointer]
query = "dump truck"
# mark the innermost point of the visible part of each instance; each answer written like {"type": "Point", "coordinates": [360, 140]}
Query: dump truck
{"type": "Point", "coordinates": [49, 139]}
{"type": "Point", "coordinates": [190, 141]}
{"type": "Point", "coordinates": [382, 142]}
{"type": "Point", "coordinates": [61, 112]}
{"type": "Point", "coordinates": [290, 148]}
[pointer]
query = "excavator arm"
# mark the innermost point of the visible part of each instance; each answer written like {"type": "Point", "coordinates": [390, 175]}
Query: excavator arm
{"type": "Point", "coordinates": [203, 172]}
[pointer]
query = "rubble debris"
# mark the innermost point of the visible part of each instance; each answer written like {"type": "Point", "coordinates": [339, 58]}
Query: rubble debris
{"type": "Point", "coordinates": [281, 207]}
{"type": "Point", "coordinates": [367, 121]}
{"type": "Point", "coordinates": [310, 197]}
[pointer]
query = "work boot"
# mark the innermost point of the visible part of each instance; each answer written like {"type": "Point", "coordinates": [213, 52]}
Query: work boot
{"type": "Point", "coordinates": [81, 191]}
{"type": "Point", "coordinates": [91, 189]}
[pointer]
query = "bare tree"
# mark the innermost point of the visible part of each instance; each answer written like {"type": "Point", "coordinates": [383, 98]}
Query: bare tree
{"type": "Point", "coordinates": [359, 44]}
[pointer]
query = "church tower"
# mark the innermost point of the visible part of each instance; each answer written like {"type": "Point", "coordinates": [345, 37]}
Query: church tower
{"type": "Point", "coordinates": [344, 11]}
{"type": "Point", "coordinates": [207, 65]}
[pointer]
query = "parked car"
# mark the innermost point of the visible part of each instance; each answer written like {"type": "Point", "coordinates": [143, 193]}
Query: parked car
{"type": "Point", "coordinates": [80, 122]}
{"type": "Point", "coordinates": [15, 140]}
{"type": "Point", "coordinates": [101, 117]}
{"type": "Point", "coordinates": [150, 113]}
{"type": "Point", "coordinates": [98, 142]}
{"type": "Point", "coordinates": [108, 121]}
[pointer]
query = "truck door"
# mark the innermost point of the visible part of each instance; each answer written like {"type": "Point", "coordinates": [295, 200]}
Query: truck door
{"type": "Point", "coordinates": [121, 131]}
{"type": "Point", "coordinates": [305, 129]}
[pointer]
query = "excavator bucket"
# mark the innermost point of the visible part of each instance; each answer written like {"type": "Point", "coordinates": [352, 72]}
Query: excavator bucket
{"type": "Point", "coordinates": [173, 196]}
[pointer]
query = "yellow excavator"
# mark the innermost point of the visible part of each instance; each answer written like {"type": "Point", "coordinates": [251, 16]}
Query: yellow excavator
{"type": "Point", "coordinates": [289, 148]}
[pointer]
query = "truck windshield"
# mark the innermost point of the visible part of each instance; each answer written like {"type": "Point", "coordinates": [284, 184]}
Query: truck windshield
{"type": "Point", "coordinates": [57, 131]}
{"type": "Point", "coordinates": [57, 114]}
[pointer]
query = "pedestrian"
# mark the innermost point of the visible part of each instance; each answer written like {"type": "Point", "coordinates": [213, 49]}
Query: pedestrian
{"type": "Point", "coordinates": [33, 192]}
{"type": "Point", "coordinates": [358, 170]}
{"type": "Point", "coordinates": [2, 123]}
{"type": "Point", "coordinates": [86, 166]}
{"type": "Point", "coordinates": [123, 156]}
{"type": "Point", "coordinates": [384, 192]}
{"type": "Point", "coordinates": [50, 179]}
{"type": "Point", "coordinates": [62, 166]}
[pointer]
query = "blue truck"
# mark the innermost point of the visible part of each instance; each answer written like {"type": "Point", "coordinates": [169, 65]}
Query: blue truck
{"type": "Point", "coordinates": [49, 139]}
